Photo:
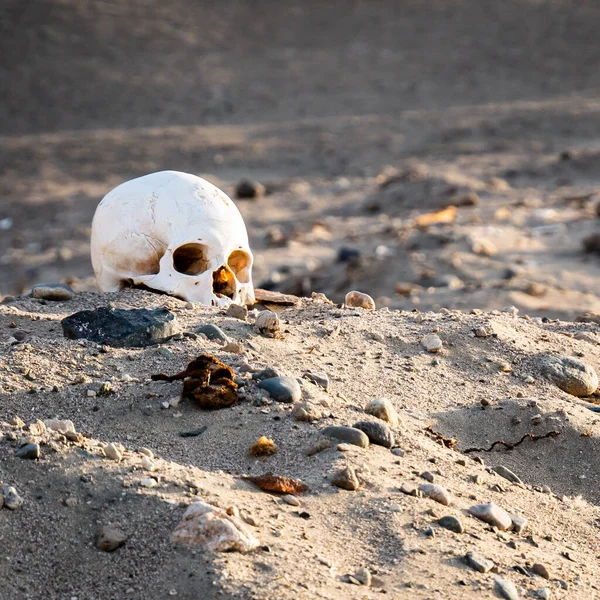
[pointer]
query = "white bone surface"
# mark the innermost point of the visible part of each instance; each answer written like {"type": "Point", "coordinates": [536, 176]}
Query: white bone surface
{"type": "Point", "coordinates": [141, 225]}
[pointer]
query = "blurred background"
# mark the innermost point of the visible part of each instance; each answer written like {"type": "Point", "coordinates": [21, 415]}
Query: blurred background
{"type": "Point", "coordinates": [358, 121]}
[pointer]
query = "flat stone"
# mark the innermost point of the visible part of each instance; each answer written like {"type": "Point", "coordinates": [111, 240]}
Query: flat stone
{"type": "Point", "coordinates": [451, 523]}
{"type": "Point", "coordinates": [377, 432]}
{"type": "Point", "coordinates": [507, 474]}
{"type": "Point", "coordinates": [478, 562]}
{"type": "Point", "coordinates": [121, 328]}
{"type": "Point", "coordinates": [56, 292]}
{"type": "Point", "coordinates": [349, 435]}
{"type": "Point", "coordinates": [110, 538]}
{"type": "Point", "coordinates": [435, 492]}
{"type": "Point", "coordinates": [212, 332]}
{"type": "Point", "coordinates": [346, 479]}
{"type": "Point", "coordinates": [492, 514]}
{"type": "Point", "coordinates": [432, 343]}
{"type": "Point", "coordinates": [383, 409]}
{"type": "Point", "coordinates": [542, 594]}
{"type": "Point", "coordinates": [60, 425]}
{"type": "Point", "coordinates": [506, 588]}
{"type": "Point", "coordinates": [409, 489]}
{"type": "Point", "coordinates": [211, 529]}
{"type": "Point", "coordinates": [320, 379]}
{"type": "Point", "coordinates": [291, 500]}
{"type": "Point", "coordinates": [282, 389]}
{"type": "Point", "coordinates": [30, 451]}
{"type": "Point", "coordinates": [571, 375]}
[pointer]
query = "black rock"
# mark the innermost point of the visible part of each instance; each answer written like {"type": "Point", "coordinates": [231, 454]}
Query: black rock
{"type": "Point", "coordinates": [378, 433]}
{"type": "Point", "coordinates": [118, 327]}
{"type": "Point", "coordinates": [346, 254]}
{"type": "Point", "coordinates": [247, 189]}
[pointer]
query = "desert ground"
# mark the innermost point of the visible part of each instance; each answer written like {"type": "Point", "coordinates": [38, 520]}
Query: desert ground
{"type": "Point", "coordinates": [362, 121]}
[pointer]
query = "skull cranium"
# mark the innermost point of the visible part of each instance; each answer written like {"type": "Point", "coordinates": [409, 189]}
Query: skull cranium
{"type": "Point", "coordinates": [175, 233]}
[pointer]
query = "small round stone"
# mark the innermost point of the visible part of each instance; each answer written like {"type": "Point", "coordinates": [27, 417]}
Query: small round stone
{"type": "Point", "coordinates": [213, 332]}
{"type": "Point", "coordinates": [282, 389]}
{"type": "Point", "coordinates": [452, 523]}
{"type": "Point", "coordinates": [356, 299]}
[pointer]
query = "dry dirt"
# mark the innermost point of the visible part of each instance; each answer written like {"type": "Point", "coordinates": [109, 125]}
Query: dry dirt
{"type": "Point", "coordinates": [359, 117]}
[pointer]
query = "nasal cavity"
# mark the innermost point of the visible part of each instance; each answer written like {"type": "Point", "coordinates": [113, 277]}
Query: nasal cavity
{"type": "Point", "coordinates": [224, 282]}
{"type": "Point", "coordinates": [190, 259]}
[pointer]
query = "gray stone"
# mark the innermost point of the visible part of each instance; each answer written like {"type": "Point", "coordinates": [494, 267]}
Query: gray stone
{"type": "Point", "coordinates": [110, 538]}
{"type": "Point", "coordinates": [492, 514]}
{"type": "Point", "coordinates": [542, 594]}
{"type": "Point", "coordinates": [213, 332]}
{"type": "Point", "coordinates": [348, 435]}
{"type": "Point", "coordinates": [478, 562]}
{"type": "Point", "coordinates": [282, 389]}
{"type": "Point", "coordinates": [435, 492]}
{"type": "Point", "coordinates": [506, 589]}
{"type": "Point", "coordinates": [10, 498]}
{"type": "Point", "coordinates": [57, 292]}
{"type": "Point", "coordinates": [519, 522]}
{"type": "Point", "coordinates": [121, 328]}
{"type": "Point", "coordinates": [570, 375]}
{"type": "Point", "coordinates": [346, 479]}
{"type": "Point", "coordinates": [507, 474]}
{"type": "Point", "coordinates": [432, 343]}
{"type": "Point", "coordinates": [30, 451]}
{"type": "Point", "coordinates": [364, 576]}
{"type": "Point", "coordinates": [320, 379]}
{"type": "Point", "coordinates": [377, 432]}
{"type": "Point", "coordinates": [451, 523]}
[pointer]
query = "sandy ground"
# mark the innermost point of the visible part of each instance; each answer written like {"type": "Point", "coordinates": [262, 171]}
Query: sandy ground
{"type": "Point", "coordinates": [359, 117]}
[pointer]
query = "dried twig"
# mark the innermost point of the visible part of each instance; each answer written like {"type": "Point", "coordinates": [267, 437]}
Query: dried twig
{"type": "Point", "coordinates": [508, 446]}
{"type": "Point", "coordinates": [448, 442]}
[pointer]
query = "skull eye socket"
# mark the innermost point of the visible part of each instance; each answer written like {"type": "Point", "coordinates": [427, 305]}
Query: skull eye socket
{"type": "Point", "coordinates": [190, 259]}
{"type": "Point", "coordinates": [240, 263]}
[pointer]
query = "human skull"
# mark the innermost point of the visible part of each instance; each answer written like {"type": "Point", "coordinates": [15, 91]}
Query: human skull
{"type": "Point", "coordinates": [175, 233]}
